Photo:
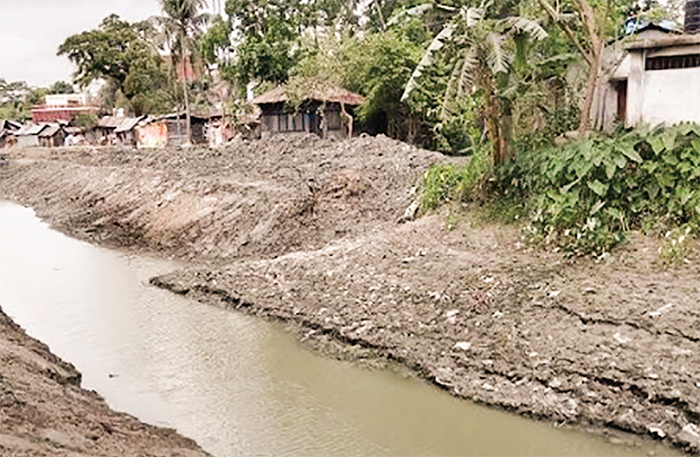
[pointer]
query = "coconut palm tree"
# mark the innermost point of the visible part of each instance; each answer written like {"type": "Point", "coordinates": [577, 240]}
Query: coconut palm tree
{"type": "Point", "coordinates": [181, 24]}
{"type": "Point", "coordinates": [484, 50]}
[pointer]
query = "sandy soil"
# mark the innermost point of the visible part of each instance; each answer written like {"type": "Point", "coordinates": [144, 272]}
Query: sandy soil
{"type": "Point", "coordinates": [44, 412]}
{"type": "Point", "coordinates": [313, 233]}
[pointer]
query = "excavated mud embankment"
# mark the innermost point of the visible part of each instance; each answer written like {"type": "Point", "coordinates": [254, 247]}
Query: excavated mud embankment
{"type": "Point", "coordinates": [44, 412]}
{"type": "Point", "coordinates": [310, 232]}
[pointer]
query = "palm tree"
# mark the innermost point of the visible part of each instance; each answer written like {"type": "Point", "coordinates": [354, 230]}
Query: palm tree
{"type": "Point", "coordinates": [181, 24]}
{"type": "Point", "coordinates": [485, 50]}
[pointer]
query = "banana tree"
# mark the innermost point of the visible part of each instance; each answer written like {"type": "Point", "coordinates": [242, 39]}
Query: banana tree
{"type": "Point", "coordinates": [483, 51]}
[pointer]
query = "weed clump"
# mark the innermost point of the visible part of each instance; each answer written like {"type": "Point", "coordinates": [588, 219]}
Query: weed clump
{"type": "Point", "coordinates": [444, 183]}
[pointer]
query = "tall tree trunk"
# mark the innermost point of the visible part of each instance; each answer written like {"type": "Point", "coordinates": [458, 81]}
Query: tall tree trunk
{"type": "Point", "coordinates": [591, 49]}
{"type": "Point", "coordinates": [591, 84]}
{"type": "Point", "coordinates": [494, 125]}
{"type": "Point", "coordinates": [188, 122]}
{"type": "Point", "coordinates": [188, 125]}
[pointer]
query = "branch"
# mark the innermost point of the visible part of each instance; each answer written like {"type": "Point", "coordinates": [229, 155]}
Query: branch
{"type": "Point", "coordinates": [588, 19]}
{"type": "Point", "coordinates": [451, 9]}
{"type": "Point", "coordinates": [381, 15]}
{"type": "Point", "coordinates": [565, 27]}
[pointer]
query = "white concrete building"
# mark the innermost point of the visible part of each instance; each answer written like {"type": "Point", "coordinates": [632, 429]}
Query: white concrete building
{"type": "Point", "coordinates": [60, 100]}
{"type": "Point", "coordinates": [659, 80]}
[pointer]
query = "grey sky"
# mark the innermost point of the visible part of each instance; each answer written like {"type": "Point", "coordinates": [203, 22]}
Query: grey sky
{"type": "Point", "coordinates": [32, 30]}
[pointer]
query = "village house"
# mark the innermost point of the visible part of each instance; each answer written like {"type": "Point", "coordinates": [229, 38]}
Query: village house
{"type": "Point", "coordinates": [8, 131]}
{"type": "Point", "coordinates": [52, 136]}
{"type": "Point", "coordinates": [658, 82]}
{"type": "Point", "coordinates": [118, 129]}
{"type": "Point", "coordinates": [327, 113]}
{"type": "Point", "coordinates": [171, 130]}
{"type": "Point", "coordinates": [48, 135]}
{"type": "Point", "coordinates": [28, 135]}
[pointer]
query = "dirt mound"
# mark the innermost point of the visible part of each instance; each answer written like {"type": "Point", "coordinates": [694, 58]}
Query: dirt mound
{"type": "Point", "coordinates": [260, 198]}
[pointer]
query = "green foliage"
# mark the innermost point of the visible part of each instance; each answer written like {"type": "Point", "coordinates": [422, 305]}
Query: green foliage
{"type": "Point", "coordinates": [269, 34]}
{"type": "Point", "coordinates": [448, 182]}
{"type": "Point", "coordinates": [61, 87]}
{"type": "Point", "coordinates": [13, 100]}
{"type": "Point", "coordinates": [216, 40]}
{"type": "Point", "coordinates": [182, 24]}
{"type": "Point", "coordinates": [109, 51]}
{"type": "Point", "coordinates": [459, 133]}
{"type": "Point", "coordinates": [36, 96]}
{"type": "Point", "coordinates": [585, 196]}
{"type": "Point", "coordinates": [676, 244]}
{"type": "Point", "coordinates": [85, 121]}
{"type": "Point", "coordinates": [125, 55]}
{"type": "Point", "coordinates": [378, 66]}
{"type": "Point", "coordinates": [322, 68]}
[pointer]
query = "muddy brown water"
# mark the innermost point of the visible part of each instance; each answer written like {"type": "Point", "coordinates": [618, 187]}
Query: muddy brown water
{"type": "Point", "coordinates": [236, 384]}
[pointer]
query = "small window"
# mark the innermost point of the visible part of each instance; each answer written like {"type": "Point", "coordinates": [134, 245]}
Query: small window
{"type": "Point", "coordinates": [673, 62]}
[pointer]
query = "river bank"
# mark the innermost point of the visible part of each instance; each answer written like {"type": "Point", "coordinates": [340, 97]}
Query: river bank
{"type": "Point", "coordinates": [44, 411]}
{"type": "Point", "coordinates": [314, 233]}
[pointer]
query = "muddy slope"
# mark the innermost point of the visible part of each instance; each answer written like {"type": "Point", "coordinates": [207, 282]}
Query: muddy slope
{"type": "Point", "coordinates": [248, 200]}
{"type": "Point", "coordinates": [44, 412]}
{"type": "Point", "coordinates": [601, 345]}
{"type": "Point", "coordinates": [309, 232]}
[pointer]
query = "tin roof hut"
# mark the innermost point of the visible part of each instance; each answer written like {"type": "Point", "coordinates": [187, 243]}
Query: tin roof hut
{"type": "Point", "coordinates": [52, 136]}
{"type": "Point", "coordinates": [658, 82]}
{"type": "Point", "coordinates": [327, 112]}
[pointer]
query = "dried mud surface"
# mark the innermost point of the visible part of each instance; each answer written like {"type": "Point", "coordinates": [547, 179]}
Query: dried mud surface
{"type": "Point", "coordinates": [313, 233]}
{"type": "Point", "coordinates": [44, 412]}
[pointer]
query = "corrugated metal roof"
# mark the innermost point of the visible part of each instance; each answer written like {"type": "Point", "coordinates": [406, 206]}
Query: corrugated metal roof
{"type": "Point", "coordinates": [31, 129]}
{"type": "Point", "coordinates": [337, 95]}
{"type": "Point", "coordinates": [8, 124]}
{"type": "Point", "coordinates": [110, 122]}
{"type": "Point", "coordinates": [50, 130]}
{"type": "Point", "coordinates": [127, 124]}
{"type": "Point", "coordinates": [664, 41]}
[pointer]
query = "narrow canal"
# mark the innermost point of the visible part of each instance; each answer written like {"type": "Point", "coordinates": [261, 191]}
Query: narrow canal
{"type": "Point", "coordinates": [236, 384]}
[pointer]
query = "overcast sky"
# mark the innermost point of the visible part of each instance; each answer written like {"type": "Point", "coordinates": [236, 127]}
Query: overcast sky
{"type": "Point", "coordinates": [32, 30]}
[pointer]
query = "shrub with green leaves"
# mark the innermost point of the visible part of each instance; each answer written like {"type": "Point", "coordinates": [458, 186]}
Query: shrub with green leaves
{"type": "Point", "coordinates": [586, 195]}
{"type": "Point", "coordinates": [449, 182]}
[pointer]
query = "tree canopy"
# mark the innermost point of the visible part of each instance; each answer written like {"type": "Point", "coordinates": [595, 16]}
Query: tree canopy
{"type": "Point", "coordinates": [124, 54]}
{"type": "Point", "coordinates": [447, 74]}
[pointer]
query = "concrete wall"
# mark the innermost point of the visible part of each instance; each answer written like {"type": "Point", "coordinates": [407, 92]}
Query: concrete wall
{"type": "Point", "coordinates": [661, 96]}
{"type": "Point", "coordinates": [635, 89]}
{"type": "Point", "coordinates": [66, 100]}
{"type": "Point", "coordinates": [28, 140]}
{"type": "Point", "coordinates": [671, 96]}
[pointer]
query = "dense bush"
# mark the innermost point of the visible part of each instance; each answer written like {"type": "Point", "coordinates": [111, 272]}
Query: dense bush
{"type": "Point", "coordinates": [586, 195]}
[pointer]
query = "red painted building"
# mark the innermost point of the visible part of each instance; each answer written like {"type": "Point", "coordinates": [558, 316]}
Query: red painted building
{"type": "Point", "coordinates": [62, 107]}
